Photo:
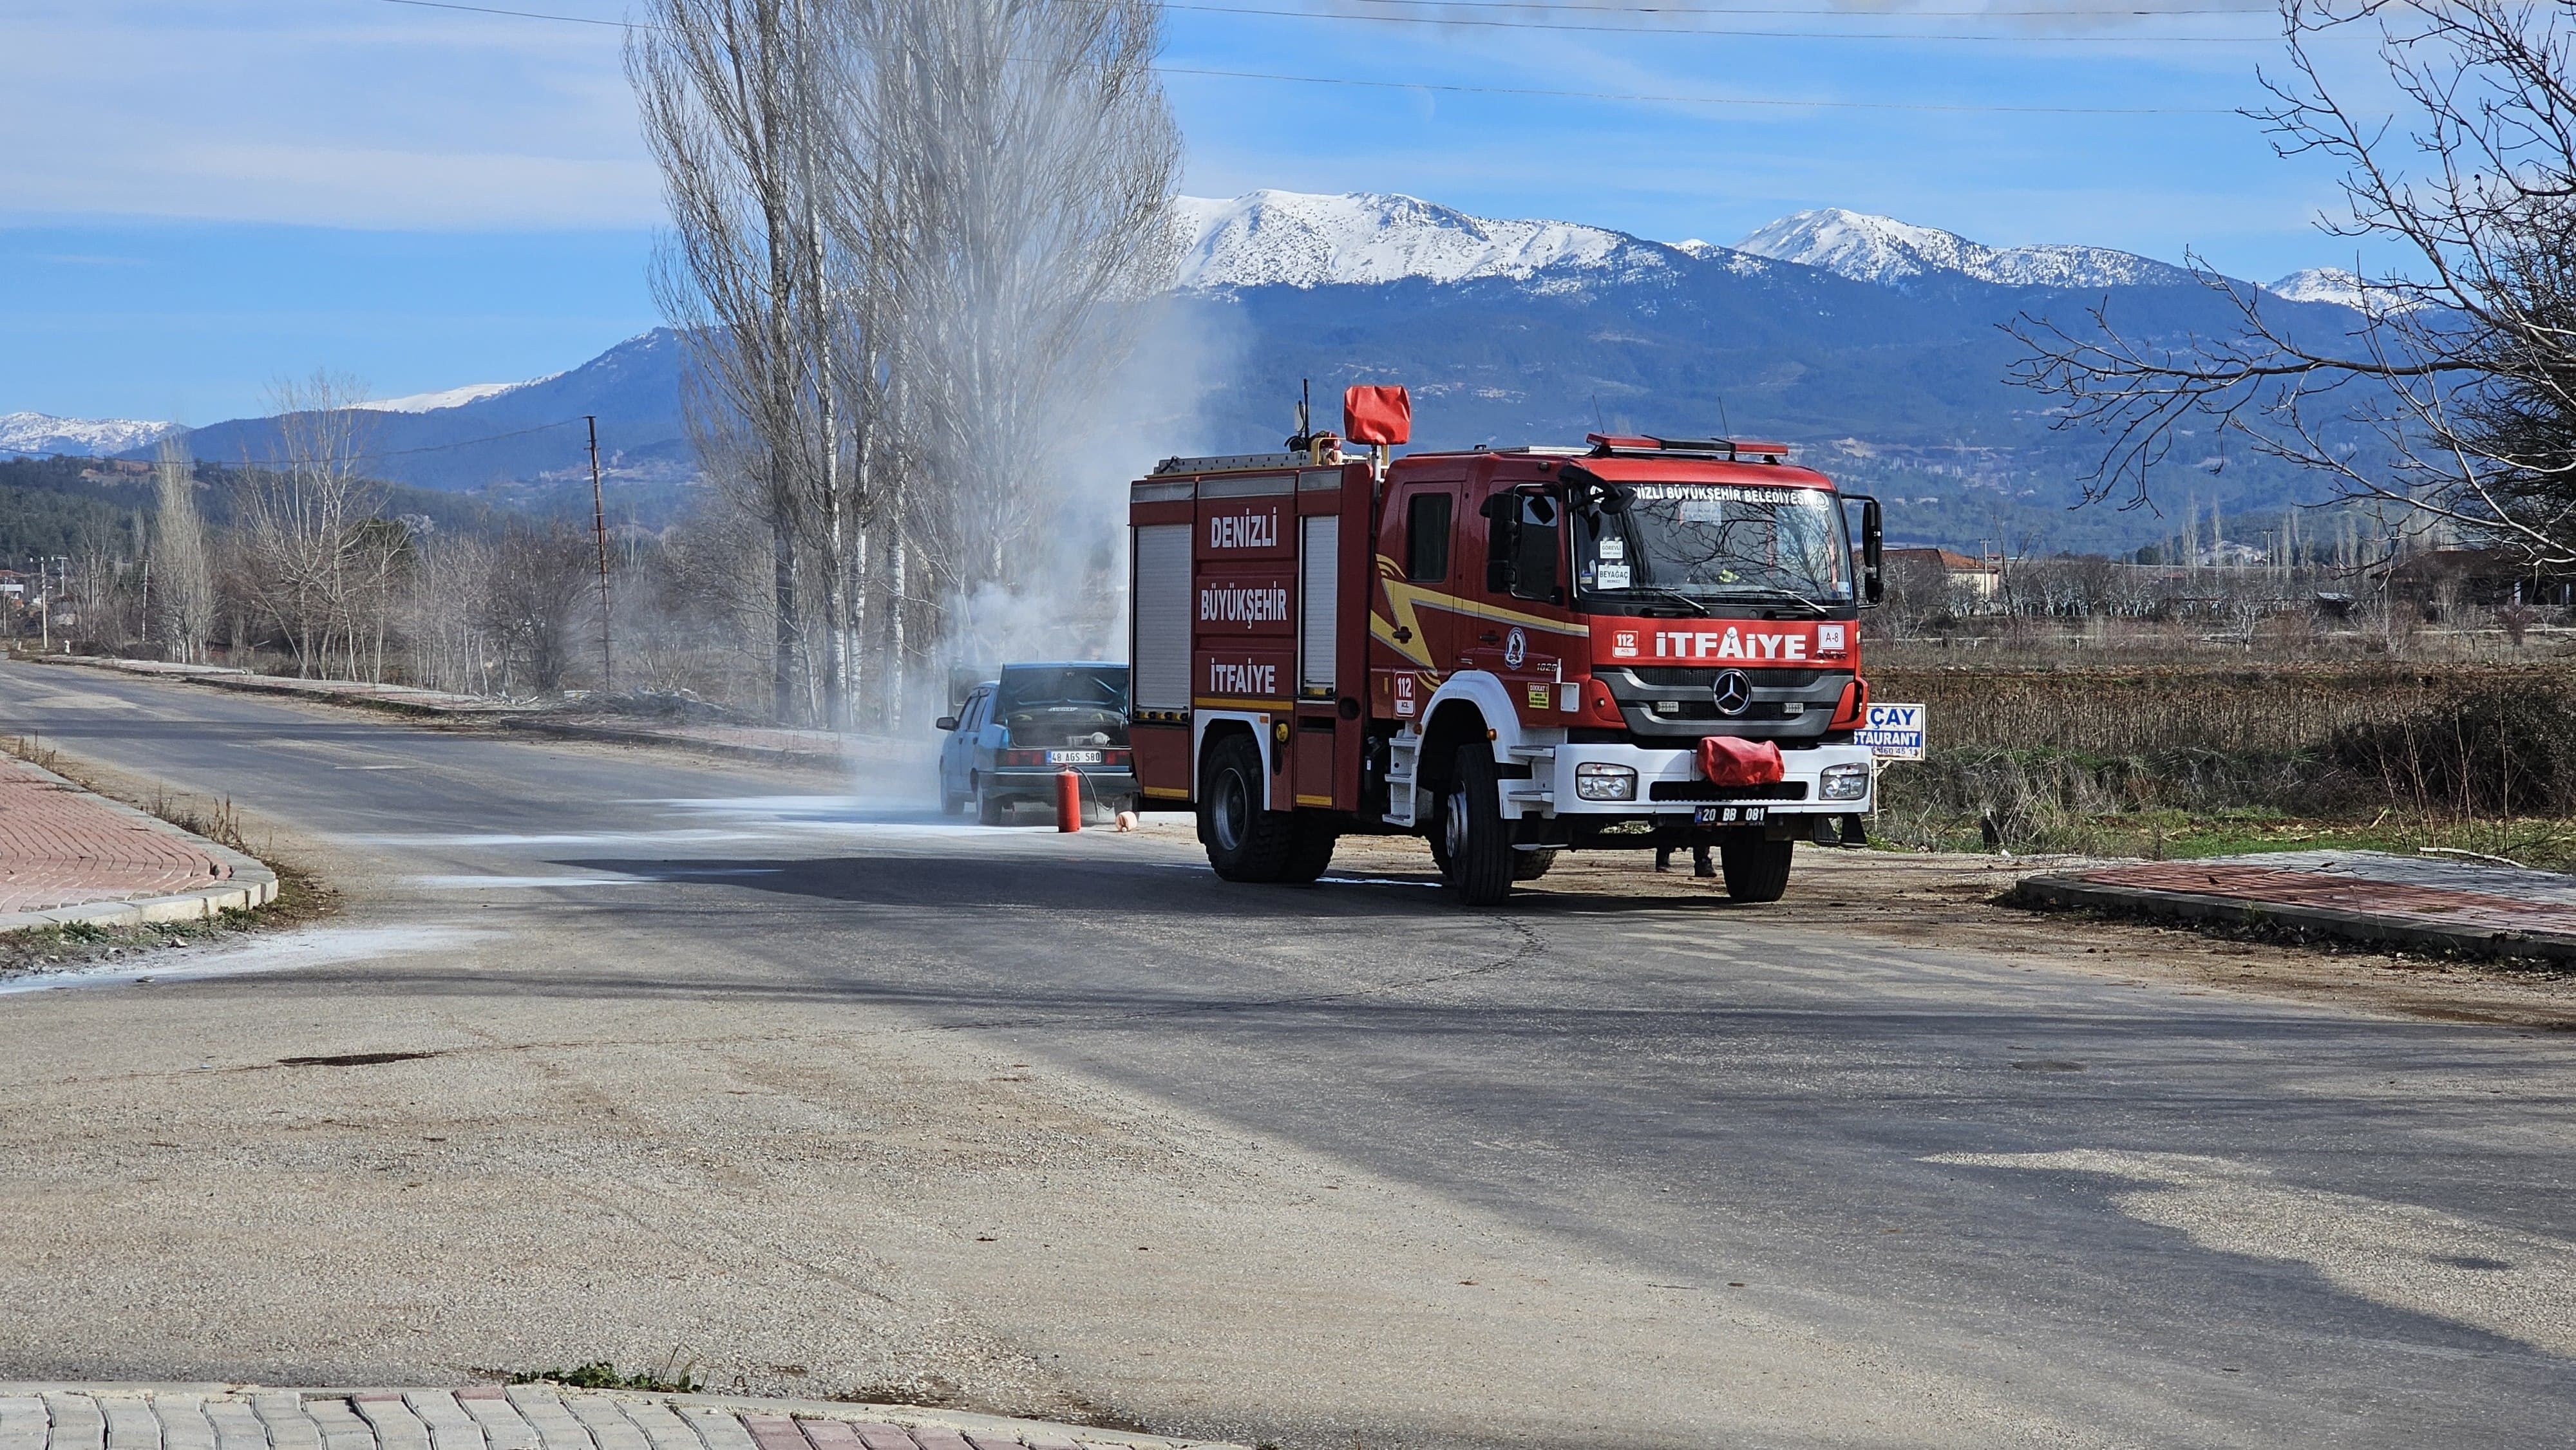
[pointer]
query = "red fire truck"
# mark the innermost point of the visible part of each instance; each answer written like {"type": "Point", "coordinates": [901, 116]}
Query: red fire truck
{"type": "Point", "coordinates": [1639, 642]}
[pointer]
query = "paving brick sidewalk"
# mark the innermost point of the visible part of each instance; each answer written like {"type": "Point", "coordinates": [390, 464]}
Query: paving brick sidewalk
{"type": "Point", "coordinates": [521, 1417]}
{"type": "Point", "coordinates": [2420, 902]}
{"type": "Point", "coordinates": [62, 846]}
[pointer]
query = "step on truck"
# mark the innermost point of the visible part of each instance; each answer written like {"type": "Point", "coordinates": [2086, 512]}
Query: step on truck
{"type": "Point", "coordinates": [1636, 643]}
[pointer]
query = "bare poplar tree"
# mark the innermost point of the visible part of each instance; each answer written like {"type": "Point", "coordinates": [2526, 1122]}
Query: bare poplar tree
{"type": "Point", "coordinates": [2454, 399]}
{"type": "Point", "coordinates": [728, 102]}
{"type": "Point", "coordinates": [907, 238]}
{"type": "Point", "coordinates": [183, 576]}
{"type": "Point", "coordinates": [1034, 159]}
{"type": "Point", "coordinates": [300, 518]}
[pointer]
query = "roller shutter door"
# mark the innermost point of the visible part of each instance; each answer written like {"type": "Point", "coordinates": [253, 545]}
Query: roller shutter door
{"type": "Point", "coordinates": [1317, 603]}
{"type": "Point", "coordinates": [1162, 595]}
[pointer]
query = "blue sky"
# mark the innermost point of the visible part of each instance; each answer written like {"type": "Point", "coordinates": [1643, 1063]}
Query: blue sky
{"type": "Point", "coordinates": [197, 199]}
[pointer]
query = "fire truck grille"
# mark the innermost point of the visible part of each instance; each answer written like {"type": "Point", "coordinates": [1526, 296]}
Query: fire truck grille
{"type": "Point", "coordinates": [1667, 676]}
{"type": "Point", "coordinates": [1700, 790]}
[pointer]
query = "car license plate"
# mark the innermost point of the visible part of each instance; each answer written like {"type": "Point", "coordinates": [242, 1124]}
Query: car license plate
{"type": "Point", "coordinates": [1730, 815]}
{"type": "Point", "coordinates": [1073, 757]}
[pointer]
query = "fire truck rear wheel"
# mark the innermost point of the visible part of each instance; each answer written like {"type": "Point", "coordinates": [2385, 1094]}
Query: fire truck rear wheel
{"type": "Point", "coordinates": [1755, 870]}
{"type": "Point", "coordinates": [1476, 853]}
{"type": "Point", "coordinates": [1531, 865]}
{"type": "Point", "coordinates": [1244, 841]}
{"type": "Point", "coordinates": [1313, 851]}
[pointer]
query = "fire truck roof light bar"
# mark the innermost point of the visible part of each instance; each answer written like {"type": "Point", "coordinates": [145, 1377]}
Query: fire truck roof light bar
{"type": "Point", "coordinates": [1733, 450]}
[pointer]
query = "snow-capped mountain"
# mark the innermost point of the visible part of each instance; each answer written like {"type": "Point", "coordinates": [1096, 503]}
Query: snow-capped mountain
{"type": "Point", "coordinates": [1300, 239]}
{"type": "Point", "coordinates": [1889, 252]}
{"type": "Point", "coordinates": [444, 398]}
{"type": "Point", "coordinates": [2320, 284]}
{"type": "Point", "coordinates": [35, 435]}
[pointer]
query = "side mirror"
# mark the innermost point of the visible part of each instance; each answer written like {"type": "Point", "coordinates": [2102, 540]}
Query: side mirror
{"type": "Point", "coordinates": [947, 722]}
{"type": "Point", "coordinates": [1873, 554]}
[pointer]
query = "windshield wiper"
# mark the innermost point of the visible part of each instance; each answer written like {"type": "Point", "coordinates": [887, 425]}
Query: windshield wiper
{"type": "Point", "coordinates": [1675, 595]}
{"type": "Point", "coordinates": [1770, 591]}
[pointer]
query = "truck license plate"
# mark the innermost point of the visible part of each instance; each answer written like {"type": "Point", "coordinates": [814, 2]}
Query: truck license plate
{"type": "Point", "coordinates": [1073, 757]}
{"type": "Point", "coordinates": [1730, 815]}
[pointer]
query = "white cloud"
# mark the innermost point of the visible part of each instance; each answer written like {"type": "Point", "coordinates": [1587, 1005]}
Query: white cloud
{"type": "Point", "coordinates": [329, 112]}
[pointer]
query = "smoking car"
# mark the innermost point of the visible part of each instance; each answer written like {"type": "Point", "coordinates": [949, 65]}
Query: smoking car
{"type": "Point", "coordinates": [1013, 736]}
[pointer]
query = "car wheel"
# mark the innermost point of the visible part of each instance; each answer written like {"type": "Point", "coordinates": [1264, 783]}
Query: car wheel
{"type": "Point", "coordinates": [1245, 842]}
{"type": "Point", "coordinates": [1479, 854]}
{"type": "Point", "coordinates": [1531, 865]}
{"type": "Point", "coordinates": [990, 810]}
{"type": "Point", "coordinates": [1756, 870]}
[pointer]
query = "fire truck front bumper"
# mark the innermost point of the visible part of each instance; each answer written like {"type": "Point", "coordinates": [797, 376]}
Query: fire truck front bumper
{"type": "Point", "coordinates": [1665, 787]}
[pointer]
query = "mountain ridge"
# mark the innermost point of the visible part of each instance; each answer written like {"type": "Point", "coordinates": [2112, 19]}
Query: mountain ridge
{"type": "Point", "coordinates": [1874, 345]}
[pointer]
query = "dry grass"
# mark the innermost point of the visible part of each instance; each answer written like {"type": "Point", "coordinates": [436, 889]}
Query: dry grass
{"type": "Point", "coordinates": [2124, 710]}
{"type": "Point", "coordinates": [2170, 760]}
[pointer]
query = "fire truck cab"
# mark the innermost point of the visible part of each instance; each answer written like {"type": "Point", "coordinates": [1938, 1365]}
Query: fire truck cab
{"type": "Point", "coordinates": [1634, 643]}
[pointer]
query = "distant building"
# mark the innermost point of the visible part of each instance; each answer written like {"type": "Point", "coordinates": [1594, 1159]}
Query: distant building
{"type": "Point", "coordinates": [2476, 576]}
{"type": "Point", "coordinates": [1980, 578]}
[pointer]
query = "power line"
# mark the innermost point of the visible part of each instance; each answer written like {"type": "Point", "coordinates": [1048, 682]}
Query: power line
{"type": "Point", "coordinates": [1782, 103]}
{"type": "Point", "coordinates": [1986, 37]}
{"type": "Point", "coordinates": [443, 447]}
{"type": "Point", "coordinates": [1490, 23]}
{"type": "Point", "coordinates": [1775, 101]}
{"type": "Point", "coordinates": [1811, 13]}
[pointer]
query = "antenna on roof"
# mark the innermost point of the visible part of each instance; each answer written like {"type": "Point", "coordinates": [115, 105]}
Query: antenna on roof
{"type": "Point", "coordinates": [1724, 428]}
{"type": "Point", "coordinates": [1303, 439]}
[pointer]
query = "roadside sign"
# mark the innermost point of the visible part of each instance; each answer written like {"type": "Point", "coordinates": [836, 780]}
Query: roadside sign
{"type": "Point", "coordinates": [1892, 732]}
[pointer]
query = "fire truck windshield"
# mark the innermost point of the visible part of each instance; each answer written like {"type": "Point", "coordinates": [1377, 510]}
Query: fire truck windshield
{"type": "Point", "coordinates": [1649, 546]}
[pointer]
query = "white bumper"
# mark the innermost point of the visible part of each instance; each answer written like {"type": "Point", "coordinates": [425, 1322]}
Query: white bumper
{"type": "Point", "coordinates": [1550, 790]}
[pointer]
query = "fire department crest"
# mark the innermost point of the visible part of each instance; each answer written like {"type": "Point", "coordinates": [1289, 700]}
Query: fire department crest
{"type": "Point", "coordinates": [1515, 648]}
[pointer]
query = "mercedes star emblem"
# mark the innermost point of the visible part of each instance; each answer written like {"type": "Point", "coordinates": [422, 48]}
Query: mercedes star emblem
{"type": "Point", "coordinates": [1732, 691]}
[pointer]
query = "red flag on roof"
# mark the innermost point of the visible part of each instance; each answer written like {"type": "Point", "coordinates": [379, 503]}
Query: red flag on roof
{"type": "Point", "coordinates": [1375, 414]}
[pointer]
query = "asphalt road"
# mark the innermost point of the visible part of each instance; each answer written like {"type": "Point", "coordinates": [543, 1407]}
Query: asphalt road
{"type": "Point", "coordinates": [833, 1098]}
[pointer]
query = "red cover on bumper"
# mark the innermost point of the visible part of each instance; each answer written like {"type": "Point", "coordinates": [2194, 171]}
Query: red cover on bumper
{"type": "Point", "coordinates": [1726, 760]}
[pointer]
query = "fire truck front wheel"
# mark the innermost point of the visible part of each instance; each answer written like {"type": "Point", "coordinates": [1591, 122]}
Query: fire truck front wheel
{"type": "Point", "coordinates": [1244, 841]}
{"type": "Point", "coordinates": [1755, 870]}
{"type": "Point", "coordinates": [1475, 853]}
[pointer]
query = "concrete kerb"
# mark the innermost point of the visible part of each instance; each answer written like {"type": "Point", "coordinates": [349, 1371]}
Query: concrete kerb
{"type": "Point", "coordinates": [428, 705]}
{"type": "Point", "coordinates": [251, 885]}
{"type": "Point", "coordinates": [910, 1417]}
{"type": "Point", "coordinates": [395, 699]}
{"type": "Point", "coordinates": [2065, 893]}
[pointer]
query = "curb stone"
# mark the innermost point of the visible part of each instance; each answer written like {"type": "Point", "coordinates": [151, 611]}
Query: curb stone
{"type": "Point", "coordinates": [415, 704]}
{"type": "Point", "coordinates": [2074, 893]}
{"type": "Point", "coordinates": [251, 885]}
{"type": "Point", "coordinates": [78, 1416]}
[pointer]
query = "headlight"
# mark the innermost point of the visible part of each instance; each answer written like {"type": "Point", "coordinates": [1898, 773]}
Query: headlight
{"type": "Point", "coordinates": [1843, 782]}
{"type": "Point", "coordinates": [1598, 782]}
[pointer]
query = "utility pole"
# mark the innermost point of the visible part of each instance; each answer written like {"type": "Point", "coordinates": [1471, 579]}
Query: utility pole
{"type": "Point", "coordinates": [599, 530]}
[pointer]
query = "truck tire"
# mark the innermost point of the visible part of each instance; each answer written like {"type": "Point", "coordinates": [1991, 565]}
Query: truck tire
{"type": "Point", "coordinates": [990, 810]}
{"type": "Point", "coordinates": [1244, 841]}
{"type": "Point", "coordinates": [1312, 853]}
{"type": "Point", "coordinates": [1756, 870]}
{"type": "Point", "coordinates": [1531, 865]}
{"type": "Point", "coordinates": [1476, 851]}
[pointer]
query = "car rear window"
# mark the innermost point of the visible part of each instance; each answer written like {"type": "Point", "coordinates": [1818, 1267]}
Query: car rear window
{"type": "Point", "coordinates": [1095, 687]}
